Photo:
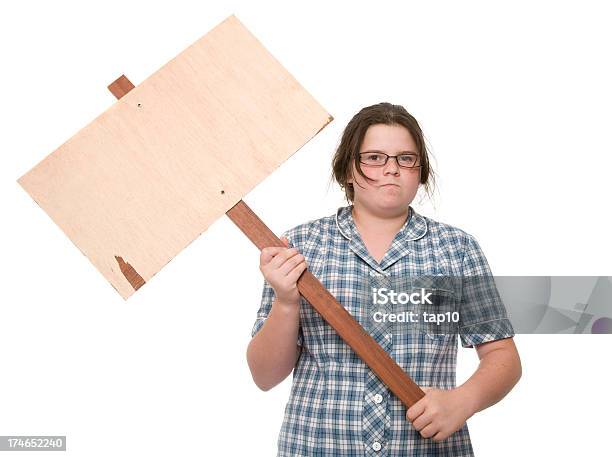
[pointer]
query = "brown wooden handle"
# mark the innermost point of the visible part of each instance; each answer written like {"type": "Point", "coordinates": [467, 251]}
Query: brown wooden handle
{"type": "Point", "coordinates": [379, 361]}
{"type": "Point", "coordinates": [319, 297]}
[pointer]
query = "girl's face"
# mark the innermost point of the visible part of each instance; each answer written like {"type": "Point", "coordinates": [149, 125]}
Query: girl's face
{"type": "Point", "coordinates": [393, 188]}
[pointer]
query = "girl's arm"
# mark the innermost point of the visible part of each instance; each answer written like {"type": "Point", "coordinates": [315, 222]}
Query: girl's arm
{"type": "Point", "coordinates": [440, 413]}
{"type": "Point", "coordinates": [498, 372]}
{"type": "Point", "coordinates": [272, 352]}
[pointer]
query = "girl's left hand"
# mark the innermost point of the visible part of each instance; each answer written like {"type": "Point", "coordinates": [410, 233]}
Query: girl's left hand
{"type": "Point", "coordinates": [439, 414]}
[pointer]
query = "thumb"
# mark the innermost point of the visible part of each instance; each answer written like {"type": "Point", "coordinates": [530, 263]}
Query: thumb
{"type": "Point", "coordinates": [426, 389]}
{"type": "Point", "coordinates": [285, 241]}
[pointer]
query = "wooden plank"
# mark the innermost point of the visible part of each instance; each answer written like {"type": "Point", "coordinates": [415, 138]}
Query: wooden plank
{"type": "Point", "coordinates": [149, 175]}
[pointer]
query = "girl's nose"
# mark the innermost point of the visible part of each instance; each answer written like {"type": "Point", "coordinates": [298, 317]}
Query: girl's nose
{"type": "Point", "coordinates": [391, 166]}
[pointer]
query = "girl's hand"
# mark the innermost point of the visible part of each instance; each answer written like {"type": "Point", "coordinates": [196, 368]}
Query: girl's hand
{"type": "Point", "coordinates": [440, 413]}
{"type": "Point", "coordinates": [282, 267]}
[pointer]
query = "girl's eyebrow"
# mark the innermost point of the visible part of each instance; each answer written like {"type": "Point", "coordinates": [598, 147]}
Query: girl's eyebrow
{"type": "Point", "coordinates": [400, 152]}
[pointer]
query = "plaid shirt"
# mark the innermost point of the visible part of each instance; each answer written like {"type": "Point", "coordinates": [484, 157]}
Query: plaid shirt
{"type": "Point", "coordinates": [337, 405]}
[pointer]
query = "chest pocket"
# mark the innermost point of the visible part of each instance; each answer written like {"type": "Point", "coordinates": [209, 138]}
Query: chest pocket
{"type": "Point", "coordinates": [431, 312]}
{"type": "Point", "coordinates": [424, 348]}
{"type": "Point", "coordinates": [439, 313]}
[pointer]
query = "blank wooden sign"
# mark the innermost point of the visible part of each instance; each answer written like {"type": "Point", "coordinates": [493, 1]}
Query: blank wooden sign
{"type": "Point", "coordinates": [155, 170]}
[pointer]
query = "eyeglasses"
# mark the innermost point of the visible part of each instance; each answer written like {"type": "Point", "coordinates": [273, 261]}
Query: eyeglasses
{"type": "Point", "coordinates": [380, 159]}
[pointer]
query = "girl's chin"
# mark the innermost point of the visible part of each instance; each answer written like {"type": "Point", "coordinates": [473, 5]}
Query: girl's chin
{"type": "Point", "coordinates": [391, 198]}
{"type": "Point", "coordinates": [387, 200]}
{"type": "Point", "coordinates": [391, 203]}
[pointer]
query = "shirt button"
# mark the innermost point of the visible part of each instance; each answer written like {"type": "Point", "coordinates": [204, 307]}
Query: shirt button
{"type": "Point", "coordinates": [376, 446]}
{"type": "Point", "coordinates": [378, 398]}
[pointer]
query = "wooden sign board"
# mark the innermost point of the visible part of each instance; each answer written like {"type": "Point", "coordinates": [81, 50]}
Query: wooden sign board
{"type": "Point", "coordinates": [175, 153]}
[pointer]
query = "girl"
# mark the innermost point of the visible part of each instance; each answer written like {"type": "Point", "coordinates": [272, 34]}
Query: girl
{"type": "Point", "coordinates": [337, 406]}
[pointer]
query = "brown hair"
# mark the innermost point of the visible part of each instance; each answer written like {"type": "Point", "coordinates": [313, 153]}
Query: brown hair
{"type": "Point", "coordinates": [354, 133]}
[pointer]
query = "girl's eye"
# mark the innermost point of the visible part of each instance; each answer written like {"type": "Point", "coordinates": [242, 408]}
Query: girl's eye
{"type": "Point", "coordinates": [407, 159]}
{"type": "Point", "coordinates": [373, 157]}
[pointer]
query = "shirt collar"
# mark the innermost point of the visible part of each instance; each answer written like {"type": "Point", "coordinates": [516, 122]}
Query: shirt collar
{"type": "Point", "coordinates": [414, 228]}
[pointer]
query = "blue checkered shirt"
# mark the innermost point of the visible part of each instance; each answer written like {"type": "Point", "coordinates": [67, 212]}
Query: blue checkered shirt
{"type": "Point", "coordinates": [337, 405]}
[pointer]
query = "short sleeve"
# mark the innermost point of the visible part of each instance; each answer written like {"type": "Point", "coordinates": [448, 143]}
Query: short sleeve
{"type": "Point", "coordinates": [482, 313]}
{"type": "Point", "coordinates": [267, 298]}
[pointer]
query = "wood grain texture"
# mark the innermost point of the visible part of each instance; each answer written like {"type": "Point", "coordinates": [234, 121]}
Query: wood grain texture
{"type": "Point", "coordinates": [173, 154]}
{"type": "Point", "coordinates": [333, 312]}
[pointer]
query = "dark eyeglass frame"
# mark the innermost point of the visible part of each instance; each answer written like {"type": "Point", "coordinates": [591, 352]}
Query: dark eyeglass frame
{"type": "Point", "coordinates": [387, 156]}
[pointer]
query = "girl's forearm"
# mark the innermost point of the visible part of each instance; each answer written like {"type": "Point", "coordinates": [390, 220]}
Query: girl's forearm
{"type": "Point", "coordinates": [498, 372]}
{"type": "Point", "coordinates": [273, 352]}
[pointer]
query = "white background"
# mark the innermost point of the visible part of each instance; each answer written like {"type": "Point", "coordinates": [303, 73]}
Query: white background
{"type": "Point", "coordinates": [514, 100]}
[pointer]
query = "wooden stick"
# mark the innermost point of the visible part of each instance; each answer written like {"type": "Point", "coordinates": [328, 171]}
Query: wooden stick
{"type": "Point", "coordinates": [379, 361]}
{"type": "Point", "coordinates": [333, 312]}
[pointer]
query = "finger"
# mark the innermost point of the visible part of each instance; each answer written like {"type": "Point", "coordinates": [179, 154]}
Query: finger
{"type": "Point", "coordinates": [267, 254]}
{"type": "Point", "coordinates": [290, 264]}
{"type": "Point", "coordinates": [295, 274]}
{"type": "Point", "coordinates": [429, 431]}
{"type": "Point", "coordinates": [416, 410]}
{"type": "Point", "coordinates": [422, 421]}
{"type": "Point", "coordinates": [439, 436]}
{"type": "Point", "coordinates": [281, 257]}
{"type": "Point", "coordinates": [284, 240]}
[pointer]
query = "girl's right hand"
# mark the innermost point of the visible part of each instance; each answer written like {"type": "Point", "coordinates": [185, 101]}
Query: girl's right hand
{"type": "Point", "coordinates": [282, 267]}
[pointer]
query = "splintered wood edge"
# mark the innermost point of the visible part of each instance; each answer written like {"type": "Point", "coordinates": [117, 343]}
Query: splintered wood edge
{"type": "Point", "coordinates": [132, 276]}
